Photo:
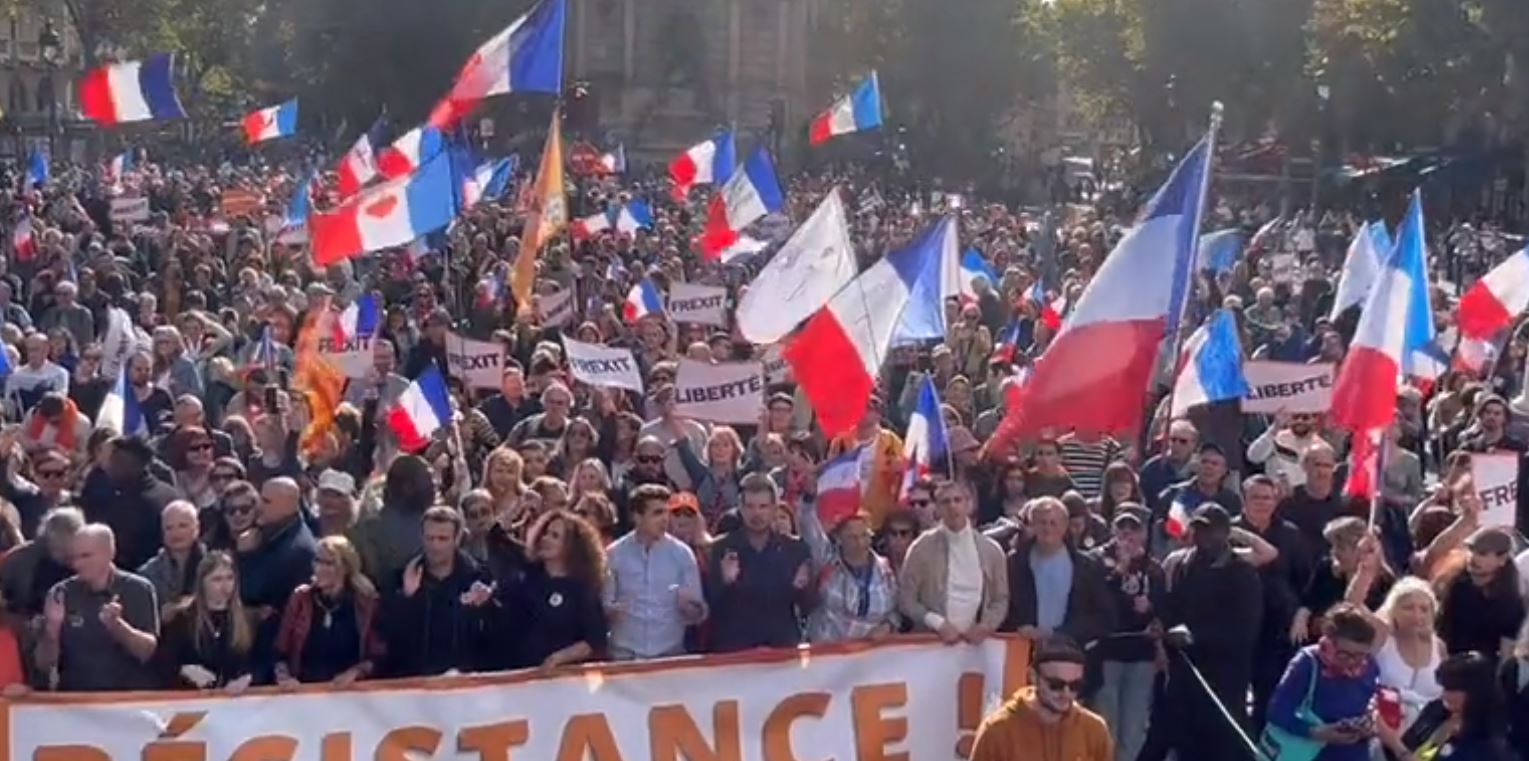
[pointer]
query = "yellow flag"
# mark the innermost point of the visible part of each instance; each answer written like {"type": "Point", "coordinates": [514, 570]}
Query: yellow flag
{"type": "Point", "coordinates": [548, 214]}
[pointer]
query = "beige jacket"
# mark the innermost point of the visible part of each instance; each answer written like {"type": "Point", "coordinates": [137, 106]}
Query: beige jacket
{"type": "Point", "coordinates": [921, 582]}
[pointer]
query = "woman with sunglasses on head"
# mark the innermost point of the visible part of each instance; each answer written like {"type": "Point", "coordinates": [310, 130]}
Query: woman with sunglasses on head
{"type": "Point", "coordinates": [329, 630]}
{"type": "Point", "coordinates": [208, 641]}
{"type": "Point", "coordinates": [1327, 692]}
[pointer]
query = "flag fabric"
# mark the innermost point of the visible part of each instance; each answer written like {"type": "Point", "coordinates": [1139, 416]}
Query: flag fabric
{"type": "Point", "coordinates": [120, 411]}
{"type": "Point", "coordinates": [705, 163]}
{"type": "Point", "coordinates": [751, 193]}
{"type": "Point", "coordinates": [1096, 370]}
{"type": "Point", "coordinates": [643, 300]}
{"type": "Point", "coordinates": [1365, 464]}
{"type": "Point", "coordinates": [39, 172]}
{"type": "Point", "coordinates": [898, 301]}
{"type": "Point", "coordinates": [816, 262]}
{"type": "Point", "coordinates": [134, 91]}
{"type": "Point", "coordinates": [359, 166]}
{"type": "Point", "coordinates": [359, 320]}
{"type": "Point", "coordinates": [265, 354]}
{"type": "Point", "coordinates": [1497, 299]}
{"type": "Point", "coordinates": [270, 123]}
{"type": "Point", "coordinates": [489, 181]}
{"type": "Point", "coordinates": [422, 409]}
{"type": "Point", "coordinates": [301, 204]}
{"type": "Point", "coordinates": [1048, 311]}
{"type": "Point", "coordinates": [1361, 266]}
{"type": "Point", "coordinates": [634, 216]}
{"type": "Point", "coordinates": [840, 488]}
{"type": "Point", "coordinates": [926, 443]}
{"type": "Point", "coordinates": [1008, 344]}
{"type": "Point", "coordinates": [974, 267]}
{"type": "Point", "coordinates": [1364, 394]}
{"type": "Point", "coordinates": [116, 169]}
{"type": "Point", "coordinates": [856, 112]}
{"type": "Point", "coordinates": [1211, 370]}
{"type": "Point", "coordinates": [319, 380]}
{"type": "Point", "coordinates": [412, 150]}
{"type": "Point", "coordinates": [24, 241]}
{"type": "Point", "coordinates": [1220, 250]}
{"type": "Point", "coordinates": [390, 214]}
{"type": "Point", "coordinates": [1266, 238]}
{"type": "Point", "coordinates": [526, 57]}
{"type": "Point", "coordinates": [615, 161]}
{"type": "Point", "coordinates": [588, 227]}
{"type": "Point", "coordinates": [5, 364]}
{"type": "Point", "coordinates": [547, 216]}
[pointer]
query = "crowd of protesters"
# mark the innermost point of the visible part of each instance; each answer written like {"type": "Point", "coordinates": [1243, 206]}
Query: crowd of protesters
{"type": "Point", "coordinates": [552, 524]}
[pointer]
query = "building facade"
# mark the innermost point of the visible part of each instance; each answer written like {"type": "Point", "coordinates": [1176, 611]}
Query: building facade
{"type": "Point", "coordinates": [40, 62]}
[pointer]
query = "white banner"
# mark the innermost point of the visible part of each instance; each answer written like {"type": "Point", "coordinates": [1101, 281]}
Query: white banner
{"type": "Point", "coordinates": [1288, 386]}
{"type": "Point", "coordinates": [352, 357]}
{"type": "Point", "coordinates": [1496, 478]}
{"type": "Point", "coordinates": [730, 392]}
{"type": "Point", "coordinates": [1283, 267]}
{"type": "Point", "coordinates": [478, 364]}
{"type": "Point", "coordinates": [907, 698]}
{"type": "Point", "coordinates": [776, 368]}
{"type": "Point", "coordinates": [555, 309]}
{"type": "Point", "coordinates": [129, 209]}
{"type": "Point", "coordinates": [703, 304]}
{"type": "Point", "coordinates": [603, 366]}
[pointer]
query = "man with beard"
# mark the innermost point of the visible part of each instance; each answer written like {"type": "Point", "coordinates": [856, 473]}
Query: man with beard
{"type": "Point", "coordinates": [1284, 444]}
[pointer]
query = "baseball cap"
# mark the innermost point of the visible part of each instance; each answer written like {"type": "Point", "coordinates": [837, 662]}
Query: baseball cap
{"type": "Point", "coordinates": [337, 481]}
{"type": "Point", "coordinates": [684, 500]}
{"type": "Point", "coordinates": [1130, 515]}
{"type": "Point", "coordinates": [1212, 515]}
{"type": "Point", "coordinates": [1491, 540]}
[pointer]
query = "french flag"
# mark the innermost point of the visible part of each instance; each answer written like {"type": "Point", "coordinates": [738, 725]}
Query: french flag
{"type": "Point", "coordinates": [359, 166]}
{"type": "Point", "coordinates": [926, 443]}
{"type": "Point", "coordinates": [135, 91]}
{"type": "Point", "coordinates": [1212, 367]}
{"type": "Point", "coordinates": [1496, 300]}
{"type": "Point", "coordinates": [840, 488]}
{"type": "Point", "coordinates": [1095, 372]}
{"type": "Point", "coordinates": [615, 161]}
{"type": "Point", "coordinates": [1389, 333]}
{"type": "Point", "coordinates": [294, 223]}
{"type": "Point", "coordinates": [24, 241]}
{"type": "Point", "coordinates": [271, 123]}
{"type": "Point", "coordinates": [898, 301]}
{"type": "Point", "coordinates": [705, 163]}
{"type": "Point", "coordinates": [527, 56]}
{"type": "Point", "coordinates": [39, 169]}
{"type": "Point", "coordinates": [856, 112]}
{"type": "Point", "coordinates": [359, 320]}
{"type": "Point", "coordinates": [489, 181]}
{"type": "Point", "coordinates": [1048, 311]}
{"type": "Point", "coordinates": [393, 213]}
{"type": "Point", "coordinates": [588, 227]}
{"type": "Point", "coordinates": [412, 150]}
{"type": "Point", "coordinates": [265, 354]}
{"type": "Point", "coordinates": [974, 268]}
{"type": "Point", "coordinates": [751, 193]}
{"type": "Point", "coordinates": [643, 300]}
{"type": "Point", "coordinates": [116, 169]}
{"type": "Point", "coordinates": [422, 409]}
{"type": "Point", "coordinates": [634, 216]}
{"type": "Point", "coordinates": [1370, 247]}
{"type": "Point", "coordinates": [120, 411]}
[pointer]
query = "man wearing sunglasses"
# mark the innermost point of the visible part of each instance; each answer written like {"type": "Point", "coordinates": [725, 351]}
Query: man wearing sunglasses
{"type": "Point", "coordinates": [1044, 722]}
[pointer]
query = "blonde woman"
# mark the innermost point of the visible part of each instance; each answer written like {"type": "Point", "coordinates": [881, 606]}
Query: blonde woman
{"type": "Point", "coordinates": [590, 477]}
{"type": "Point", "coordinates": [503, 478]}
{"type": "Point", "coordinates": [1407, 648]}
{"type": "Point", "coordinates": [329, 631]}
{"type": "Point", "coordinates": [209, 639]}
{"type": "Point", "coordinates": [716, 480]}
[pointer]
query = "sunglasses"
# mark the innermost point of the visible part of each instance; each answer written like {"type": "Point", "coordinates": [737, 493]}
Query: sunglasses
{"type": "Point", "coordinates": [51, 473]}
{"type": "Point", "coordinates": [650, 459]}
{"type": "Point", "coordinates": [1075, 686]}
{"type": "Point", "coordinates": [239, 508]}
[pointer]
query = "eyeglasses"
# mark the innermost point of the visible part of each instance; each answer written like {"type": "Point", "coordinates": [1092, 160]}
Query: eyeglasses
{"type": "Point", "coordinates": [1075, 686]}
{"type": "Point", "coordinates": [239, 508]}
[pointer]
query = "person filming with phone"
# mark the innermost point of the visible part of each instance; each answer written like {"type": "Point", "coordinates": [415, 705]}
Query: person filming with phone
{"type": "Point", "coordinates": [1321, 710]}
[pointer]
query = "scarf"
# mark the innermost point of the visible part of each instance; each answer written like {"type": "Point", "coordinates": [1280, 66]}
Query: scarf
{"type": "Point", "coordinates": [1327, 655]}
{"type": "Point", "coordinates": [67, 422]}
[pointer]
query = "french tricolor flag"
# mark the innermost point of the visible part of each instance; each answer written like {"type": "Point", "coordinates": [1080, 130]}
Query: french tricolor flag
{"type": "Point", "coordinates": [24, 241]}
{"type": "Point", "coordinates": [1212, 367]}
{"type": "Point", "coordinates": [926, 443]}
{"type": "Point", "coordinates": [634, 216]}
{"type": "Point", "coordinates": [271, 123]}
{"type": "Point", "coordinates": [412, 150]}
{"type": "Point", "coordinates": [1048, 311]}
{"type": "Point", "coordinates": [856, 112]}
{"type": "Point", "coordinates": [1094, 373]}
{"type": "Point", "coordinates": [135, 91]}
{"type": "Point", "coordinates": [1496, 300]}
{"type": "Point", "coordinates": [974, 268]}
{"type": "Point", "coordinates": [393, 213]}
{"type": "Point", "coordinates": [120, 411]}
{"type": "Point", "coordinates": [1390, 333]}
{"type": "Point", "coordinates": [116, 169]}
{"type": "Point", "coordinates": [900, 300]}
{"type": "Point", "coordinates": [705, 163]}
{"type": "Point", "coordinates": [489, 181]}
{"type": "Point", "coordinates": [751, 193]}
{"type": "Point", "coordinates": [422, 409]}
{"type": "Point", "coordinates": [359, 320]}
{"type": "Point", "coordinates": [615, 161]}
{"type": "Point", "coordinates": [359, 166]}
{"type": "Point", "coordinates": [643, 300]}
{"type": "Point", "coordinates": [588, 227]}
{"type": "Point", "coordinates": [527, 56]}
{"type": "Point", "coordinates": [840, 488]}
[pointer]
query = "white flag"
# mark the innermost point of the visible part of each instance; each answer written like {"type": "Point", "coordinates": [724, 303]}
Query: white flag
{"type": "Point", "coordinates": [1360, 269]}
{"type": "Point", "coordinates": [817, 262]}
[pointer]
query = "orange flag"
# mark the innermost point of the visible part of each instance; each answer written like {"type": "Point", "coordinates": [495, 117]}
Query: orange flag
{"type": "Point", "coordinates": [318, 380]}
{"type": "Point", "coordinates": [548, 214]}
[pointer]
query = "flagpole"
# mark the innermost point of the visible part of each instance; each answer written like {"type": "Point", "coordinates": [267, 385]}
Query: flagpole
{"type": "Point", "coordinates": [1177, 339]}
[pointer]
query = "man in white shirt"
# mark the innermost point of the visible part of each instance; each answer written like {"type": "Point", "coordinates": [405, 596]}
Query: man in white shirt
{"type": "Point", "coordinates": [954, 581]}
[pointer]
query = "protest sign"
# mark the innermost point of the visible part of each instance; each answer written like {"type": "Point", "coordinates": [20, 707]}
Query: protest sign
{"type": "Point", "coordinates": [1496, 479]}
{"type": "Point", "coordinates": [555, 309]}
{"type": "Point", "coordinates": [904, 698]}
{"type": "Point", "coordinates": [1289, 386]}
{"type": "Point", "coordinates": [127, 209]}
{"type": "Point", "coordinates": [776, 368]}
{"type": "Point", "coordinates": [702, 304]}
{"type": "Point", "coordinates": [478, 364]}
{"type": "Point", "coordinates": [237, 202]}
{"type": "Point", "coordinates": [729, 392]}
{"type": "Point", "coordinates": [603, 366]}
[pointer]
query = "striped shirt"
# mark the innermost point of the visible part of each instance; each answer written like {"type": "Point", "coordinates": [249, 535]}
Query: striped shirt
{"type": "Point", "coordinates": [1086, 462]}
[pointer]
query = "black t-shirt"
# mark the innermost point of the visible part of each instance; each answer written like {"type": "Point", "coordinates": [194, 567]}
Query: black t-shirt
{"type": "Point", "coordinates": [334, 640]}
{"type": "Point", "coordinates": [556, 612]}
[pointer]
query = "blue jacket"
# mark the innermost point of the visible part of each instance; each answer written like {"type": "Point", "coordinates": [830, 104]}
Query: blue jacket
{"type": "Point", "coordinates": [1332, 700]}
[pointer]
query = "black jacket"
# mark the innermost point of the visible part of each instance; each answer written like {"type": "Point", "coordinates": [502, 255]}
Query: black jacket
{"type": "Point", "coordinates": [1222, 604]}
{"type": "Point", "coordinates": [1090, 605]}
{"type": "Point", "coordinates": [432, 632]}
{"type": "Point", "coordinates": [132, 511]}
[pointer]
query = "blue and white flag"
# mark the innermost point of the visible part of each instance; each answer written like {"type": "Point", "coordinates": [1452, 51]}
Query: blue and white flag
{"type": "Point", "coordinates": [120, 411]}
{"type": "Point", "coordinates": [1212, 367]}
{"type": "Point", "coordinates": [926, 443]}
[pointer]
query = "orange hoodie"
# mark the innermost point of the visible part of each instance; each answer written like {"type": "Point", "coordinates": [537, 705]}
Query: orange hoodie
{"type": "Point", "coordinates": [1016, 732]}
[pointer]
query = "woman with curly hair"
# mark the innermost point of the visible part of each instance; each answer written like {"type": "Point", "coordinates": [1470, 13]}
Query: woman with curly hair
{"type": "Point", "coordinates": [557, 606]}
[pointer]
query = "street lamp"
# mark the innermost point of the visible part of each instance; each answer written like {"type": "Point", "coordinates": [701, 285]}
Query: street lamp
{"type": "Point", "coordinates": [51, 46]}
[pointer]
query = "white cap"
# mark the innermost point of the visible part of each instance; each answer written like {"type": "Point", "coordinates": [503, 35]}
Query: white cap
{"type": "Point", "coordinates": [337, 481]}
